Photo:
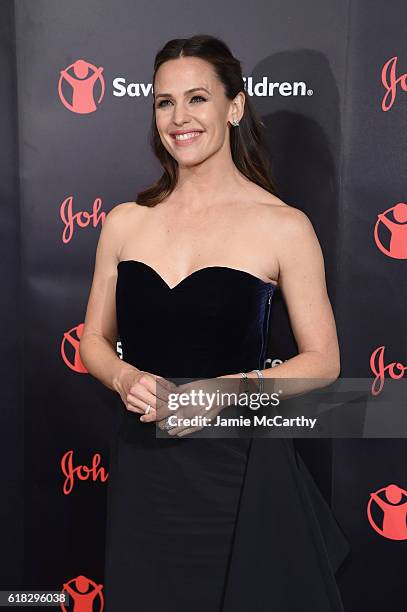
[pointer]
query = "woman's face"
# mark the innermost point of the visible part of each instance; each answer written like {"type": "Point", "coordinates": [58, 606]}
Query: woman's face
{"type": "Point", "coordinates": [202, 115]}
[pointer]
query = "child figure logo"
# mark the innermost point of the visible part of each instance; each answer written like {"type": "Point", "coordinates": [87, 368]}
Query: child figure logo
{"type": "Point", "coordinates": [80, 99]}
{"type": "Point", "coordinates": [395, 243]}
{"type": "Point", "coordinates": [70, 349]}
{"type": "Point", "coordinates": [392, 500]}
{"type": "Point", "coordinates": [84, 593]}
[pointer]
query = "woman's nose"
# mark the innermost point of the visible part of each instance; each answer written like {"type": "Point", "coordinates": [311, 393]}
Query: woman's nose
{"type": "Point", "coordinates": [180, 114]}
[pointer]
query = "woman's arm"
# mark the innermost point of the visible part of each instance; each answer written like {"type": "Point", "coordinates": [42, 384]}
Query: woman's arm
{"type": "Point", "coordinates": [303, 285]}
{"type": "Point", "coordinates": [97, 347]}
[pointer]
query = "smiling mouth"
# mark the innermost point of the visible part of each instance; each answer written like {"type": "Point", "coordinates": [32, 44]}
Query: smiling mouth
{"type": "Point", "coordinates": [185, 137]}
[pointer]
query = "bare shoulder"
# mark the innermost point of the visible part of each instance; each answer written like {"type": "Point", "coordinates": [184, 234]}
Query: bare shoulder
{"type": "Point", "coordinates": [124, 211]}
{"type": "Point", "coordinates": [121, 217]}
{"type": "Point", "coordinates": [293, 222]}
{"type": "Point", "coordinates": [116, 225]}
{"type": "Point", "coordinates": [286, 222]}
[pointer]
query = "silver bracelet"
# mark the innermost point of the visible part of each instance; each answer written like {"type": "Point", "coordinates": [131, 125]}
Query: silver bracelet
{"type": "Point", "coordinates": [260, 376]}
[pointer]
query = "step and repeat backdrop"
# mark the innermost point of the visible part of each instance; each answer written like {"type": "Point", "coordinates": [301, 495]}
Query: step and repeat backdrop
{"type": "Point", "coordinates": [330, 82]}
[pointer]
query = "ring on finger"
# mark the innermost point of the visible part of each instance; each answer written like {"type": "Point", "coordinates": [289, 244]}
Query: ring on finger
{"type": "Point", "coordinates": [167, 425]}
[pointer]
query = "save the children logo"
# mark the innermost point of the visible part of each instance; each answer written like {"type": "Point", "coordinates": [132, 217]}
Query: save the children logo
{"type": "Point", "coordinates": [387, 512]}
{"type": "Point", "coordinates": [87, 596]}
{"type": "Point", "coordinates": [81, 87]}
{"type": "Point", "coordinates": [390, 231]}
{"type": "Point", "coordinates": [70, 349]}
{"type": "Point", "coordinates": [390, 80]}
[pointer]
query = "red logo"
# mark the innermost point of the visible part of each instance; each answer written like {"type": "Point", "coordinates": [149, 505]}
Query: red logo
{"type": "Point", "coordinates": [76, 88]}
{"type": "Point", "coordinates": [379, 369]}
{"type": "Point", "coordinates": [390, 82]}
{"type": "Point", "coordinates": [392, 501]}
{"type": "Point", "coordinates": [390, 231]}
{"type": "Point", "coordinates": [70, 349]}
{"type": "Point", "coordinates": [82, 472]}
{"type": "Point", "coordinates": [84, 593]}
{"type": "Point", "coordinates": [80, 218]}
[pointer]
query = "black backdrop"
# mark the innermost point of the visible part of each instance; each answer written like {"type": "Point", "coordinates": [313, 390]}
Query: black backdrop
{"type": "Point", "coordinates": [339, 154]}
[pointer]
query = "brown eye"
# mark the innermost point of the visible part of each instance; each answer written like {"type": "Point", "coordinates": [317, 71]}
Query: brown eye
{"type": "Point", "coordinates": [200, 97]}
{"type": "Point", "coordinates": [159, 105]}
{"type": "Point", "coordinates": [162, 105]}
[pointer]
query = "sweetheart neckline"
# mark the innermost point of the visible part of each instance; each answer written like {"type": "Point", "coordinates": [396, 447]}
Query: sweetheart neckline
{"type": "Point", "coordinates": [249, 274]}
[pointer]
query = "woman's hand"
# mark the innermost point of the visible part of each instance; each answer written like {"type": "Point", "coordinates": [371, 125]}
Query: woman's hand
{"type": "Point", "coordinates": [138, 388]}
{"type": "Point", "coordinates": [204, 400]}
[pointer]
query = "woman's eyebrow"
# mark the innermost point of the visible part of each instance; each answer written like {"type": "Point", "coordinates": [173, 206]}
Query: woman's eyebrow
{"type": "Point", "coordinates": [186, 92]}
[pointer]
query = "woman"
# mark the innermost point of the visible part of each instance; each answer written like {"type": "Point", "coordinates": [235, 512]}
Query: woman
{"type": "Point", "coordinates": [185, 277]}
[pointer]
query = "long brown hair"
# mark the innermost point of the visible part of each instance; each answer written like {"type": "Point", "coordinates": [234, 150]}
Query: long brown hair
{"type": "Point", "coordinates": [249, 152]}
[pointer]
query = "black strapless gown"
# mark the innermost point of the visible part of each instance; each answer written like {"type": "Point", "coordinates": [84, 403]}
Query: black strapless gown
{"type": "Point", "coordinates": [199, 524]}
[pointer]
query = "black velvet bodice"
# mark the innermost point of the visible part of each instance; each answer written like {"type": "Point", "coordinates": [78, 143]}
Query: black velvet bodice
{"type": "Point", "coordinates": [213, 322]}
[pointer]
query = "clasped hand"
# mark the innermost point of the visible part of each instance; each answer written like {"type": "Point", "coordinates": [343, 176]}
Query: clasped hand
{"type": "Point", "coordinates": [199, 398]}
